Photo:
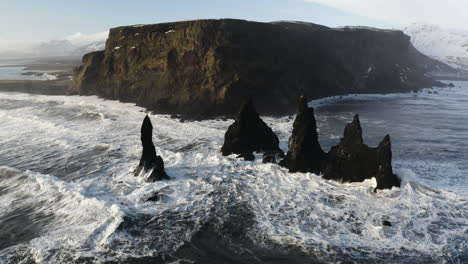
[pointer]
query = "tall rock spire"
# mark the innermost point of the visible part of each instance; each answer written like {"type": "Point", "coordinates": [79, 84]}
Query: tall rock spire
{"type": "Point", "coordinates": [305, 153]}
{"type": "Point", "coordinates": [149, 160]}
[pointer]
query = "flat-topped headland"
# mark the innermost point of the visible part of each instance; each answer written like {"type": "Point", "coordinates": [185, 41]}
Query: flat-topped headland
{"type": "Point", "coordinates": [204, 68]}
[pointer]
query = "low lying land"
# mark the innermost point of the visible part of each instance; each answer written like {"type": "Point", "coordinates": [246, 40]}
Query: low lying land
{"type": "Point", "coordinates": [61, 67]}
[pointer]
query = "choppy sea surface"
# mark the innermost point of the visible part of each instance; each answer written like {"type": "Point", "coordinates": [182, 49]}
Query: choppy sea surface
{"type": "Point", "coordinates": [68, 194]}
{"type": "Point", "coordinates": [18, 73]}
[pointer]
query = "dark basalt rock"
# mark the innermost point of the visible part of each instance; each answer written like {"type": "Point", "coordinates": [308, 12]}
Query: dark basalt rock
{"type": "Point", "coordinates": [248, 156]}
{"type": "Point", "coordinates": [205, 68]}
{"type": "Point", "coordinates": [385, 177]}
{"type": "Point", "coordinates": [353, 161]}
{"type": "Point", "coordinates": [149, 160]}
{"type": "Point", "coordinates": [154, 198]}
{"type": "Point", "coordinates": [386, 223]}
{"type": "Point", "coordinates": [269, 159]}
{"type": "Point", "coordinates": [305, 153]}
{"type": "Point", "coordinates": [249, 134]}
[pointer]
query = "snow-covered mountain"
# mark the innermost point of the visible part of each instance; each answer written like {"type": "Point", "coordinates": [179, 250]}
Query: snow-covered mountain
{"type": "Point", "coordinates": [447, 45]}
{"type": "Point", "coordinates": [74, 45]}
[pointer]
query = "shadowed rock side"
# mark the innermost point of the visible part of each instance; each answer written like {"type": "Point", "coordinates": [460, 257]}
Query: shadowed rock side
{"type": "Point", "coordinates": [353, 161]}
{"type": "Point", "coordinates": [149, 160]}
{"type": "Point", "coordinates": [385, 177]}
{"type": "Point", "coordinates": [205, 68]}
{"type": "Point", "coordinates": [305, 153]}
{"type": "Point", "coordinates": [349, 161]}
{"type": "Point", "coordinates": [250, 134]}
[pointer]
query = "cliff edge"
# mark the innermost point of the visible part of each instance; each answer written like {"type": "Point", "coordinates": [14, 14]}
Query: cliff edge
{"type": "Point", "coordinates": [205, 68]}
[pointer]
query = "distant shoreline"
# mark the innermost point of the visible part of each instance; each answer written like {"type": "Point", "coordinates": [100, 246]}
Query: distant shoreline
{"type": "Point", "coordinates": [60, 67]}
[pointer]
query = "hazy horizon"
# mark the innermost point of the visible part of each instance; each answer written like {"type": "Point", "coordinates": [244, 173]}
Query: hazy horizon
{"type": "Point", "coordinates": [25, 25]}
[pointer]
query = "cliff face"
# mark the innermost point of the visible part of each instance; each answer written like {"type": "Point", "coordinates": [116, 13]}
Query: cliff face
{"type": "Point", "coordinates": [208, 67]}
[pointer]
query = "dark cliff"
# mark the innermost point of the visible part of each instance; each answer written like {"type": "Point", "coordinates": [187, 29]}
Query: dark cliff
{"type": "Point", "coordinates": [208, 67]}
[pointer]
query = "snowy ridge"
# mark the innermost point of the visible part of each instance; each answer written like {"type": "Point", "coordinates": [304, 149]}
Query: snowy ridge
{"type": "Point", "coordinates": [74, 45]}
{"type": "Point", "coordinates": [447, 45]}
{"type": "Point", "coordinates": [80, 39]}
{"type": "Point", "coordinates": [77, 44]}
{"type": "Point", "coordinates": [364, 28]}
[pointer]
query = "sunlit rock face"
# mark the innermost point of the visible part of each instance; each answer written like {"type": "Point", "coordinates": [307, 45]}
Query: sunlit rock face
{"type": "Point", "coordinates": [206, 68]}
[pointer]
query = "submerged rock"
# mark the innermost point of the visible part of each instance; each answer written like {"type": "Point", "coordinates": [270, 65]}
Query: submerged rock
{"type": "Point", "coordinates": [386, 223]}
{"type": "Point", "coordinates": [249, 156]}
{"type": "Point", "coordinates": [353, 161]}
{"type": "Point", "coordinates": [305, 153]}
{"type": "Point", "coordinates": [149, 160]}
{"type": "Point", "coordinates": [249, 134]}
{"type": "Point", "coordinates": [154, 198]}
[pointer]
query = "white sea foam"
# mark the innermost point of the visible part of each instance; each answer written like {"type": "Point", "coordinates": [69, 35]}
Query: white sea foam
{"type": "Point", "coordinates": [48, 76]}
{"type": "Point", "coordinates": [90, 202]}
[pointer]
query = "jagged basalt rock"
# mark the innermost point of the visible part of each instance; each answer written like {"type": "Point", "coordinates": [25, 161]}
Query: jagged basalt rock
{"type": "Point", "coordinates": [205, 68]}
{"type": "Point", "coordinates": [305, 153]}
{"type": "Point", "coordinates": [149, 160]}
{"type": "Point", "coordinates": [353, 161]}
{"type": "Point", "coordinates": [249, 134]}
{"type": "Point", "coordinates": [248, 156]}
{"type": "Point", "coordinates": [386, 223]}
{"type": "Point", "coordinates": [385, 177]}
{"type": "Point", "coordinates": [154, 198]}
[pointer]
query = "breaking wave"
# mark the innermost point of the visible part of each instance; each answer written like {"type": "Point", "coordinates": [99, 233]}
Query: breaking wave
{"type": "Point", "coordinates": [68, 194]}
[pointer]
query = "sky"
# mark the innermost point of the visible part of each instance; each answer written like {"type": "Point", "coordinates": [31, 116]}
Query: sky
{"type": "Point", "coordinates": [34, 20]}
{"type": "Point", "coordinates": [444, 13]}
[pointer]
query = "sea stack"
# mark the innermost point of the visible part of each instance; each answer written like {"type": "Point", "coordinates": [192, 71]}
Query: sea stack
{"type": "Point", "coordinates": [250, 134]}
{"type": "Point", "coordinates": [353, 161]}
{"type": "Point", "coordinates": [385, 177]}
{"type": "Point", "coordinates": [305, 153]}
{"type": "Point", "coordinates": [149, 160]}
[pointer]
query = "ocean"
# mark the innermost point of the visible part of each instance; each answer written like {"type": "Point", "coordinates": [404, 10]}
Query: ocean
{"type": "Point", "coordinates": [17, 73]}
{"type": "Point", "coordinates": [68, 193]}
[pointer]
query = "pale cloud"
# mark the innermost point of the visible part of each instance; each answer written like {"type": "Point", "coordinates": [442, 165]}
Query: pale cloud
{"type": "Point", "coordinates": [447, 13]}
{"type": "Point", "coordinates": [7, 44]}
{"type": "Point", "coordinates": [77, 43]}
{"type": "Point", "coordinates": [83, 39]}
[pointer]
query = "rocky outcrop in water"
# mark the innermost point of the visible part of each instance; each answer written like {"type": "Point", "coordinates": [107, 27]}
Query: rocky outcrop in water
{"type": "Point", "coordinates": [305, 153]}
{"type": "Point", "coordinates": [349, 161]}
{"type": "Point", "coordinates": [250, 134]}
{"type": "Point", "coordinates": [205, 68]}
{"type": "Point", "coordinates": [353, 161]}
{"type": "Point", "coordinates": [149, 160]}
{"type": "Point", "coordinates": [385, 177]}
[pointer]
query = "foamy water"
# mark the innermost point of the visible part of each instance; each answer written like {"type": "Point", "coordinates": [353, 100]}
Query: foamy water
{"type": "Point", "coordinates": [16, 73]}
{"type": "Point", "coordinates": [68, 194]}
